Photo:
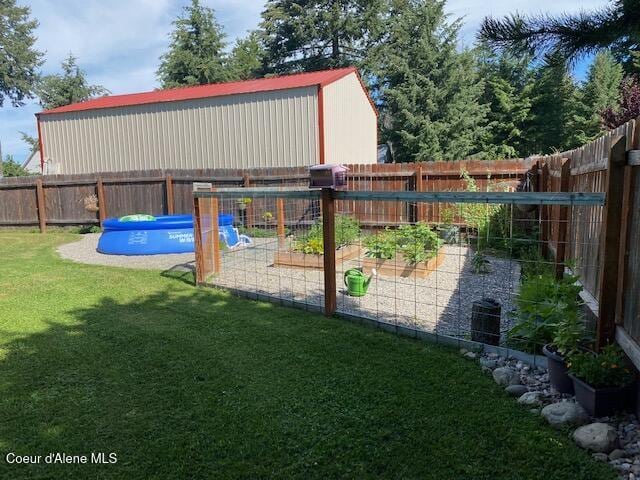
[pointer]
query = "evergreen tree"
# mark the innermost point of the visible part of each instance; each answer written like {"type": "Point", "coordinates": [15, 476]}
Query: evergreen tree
{"type": "Point", "coordinates": [32, 142]}
{"type": "Point", "coordinates": [246, 59]}
{"type": "Point", "coordinates": [600, 92]}
{"type": "Point", "coordinates": [555, 102]}
{"type": "Point", "coordinates": [19, 61]}
{"type": "Point", "coordinates": [196, 51]}
{"type": "Point", "coordinates": [429, 90]}
{"type": "Point", "coordinates": [69, 87]}
{"type": "Point", "coordinates": [615, 26]}
{"type": "Point", "coordinates": [508, 84]}
{"type": "Point", "coordinates": [305, 35]}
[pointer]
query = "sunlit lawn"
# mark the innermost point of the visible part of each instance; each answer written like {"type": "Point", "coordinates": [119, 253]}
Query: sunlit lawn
{"type": "Point", "coordinates": [187, 383]}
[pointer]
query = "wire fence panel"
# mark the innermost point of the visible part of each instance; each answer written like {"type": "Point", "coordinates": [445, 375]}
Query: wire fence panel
{"type": "Point", "coordinates": [452, 279]}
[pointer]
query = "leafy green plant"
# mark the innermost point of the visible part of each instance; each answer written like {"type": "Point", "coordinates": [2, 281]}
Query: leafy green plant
{"type": "Point", "coordinates": [347, 232]}
{"type": "Point", "coordinates": [543, 303]}
{"type": "Point", "coordinates": [480, 263]}
{"type": "Point", "coordinates": [570, 333]}
{"type": "Point", "coordinates": [381, 246]}
{"type": "Point", "coordinates": [609, 368]}
{"type": "Point", "coordinates": [417, 243]}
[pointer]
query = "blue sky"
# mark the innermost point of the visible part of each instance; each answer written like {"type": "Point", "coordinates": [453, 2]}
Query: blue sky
{"type": "Point", "coordinates": [118, 42]}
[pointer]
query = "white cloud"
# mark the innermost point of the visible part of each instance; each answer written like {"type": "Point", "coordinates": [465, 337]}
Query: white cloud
{"type": "Point", "coordinates": [118, 42]}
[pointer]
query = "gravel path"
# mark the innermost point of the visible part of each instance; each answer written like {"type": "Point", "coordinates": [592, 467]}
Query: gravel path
{"type": "Point", "coordinates": [440, 303]}
{"type": "Point", "coordinates": [84, 251]}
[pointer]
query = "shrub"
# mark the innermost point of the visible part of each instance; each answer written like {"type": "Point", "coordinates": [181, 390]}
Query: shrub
{"type": "Point", "coordinates": [608, 368]}
{"type": "Point", "coordinates": [543, 303]}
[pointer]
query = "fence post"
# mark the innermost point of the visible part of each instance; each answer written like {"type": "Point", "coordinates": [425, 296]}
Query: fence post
{"type": "Point", "coordinates": [281, 221]}
{"type": "Point", "coordinates": [169, 191]}
{"type": "Point", "coordinates": [197, 233]}
{"type": "Point", "coordinates": [544, 211]}
{"type": "Point", "coordinates": [610, 243]}
{"type": "Point", "coordinates": [563, 218]}
{"type": "Point", "coordinates": [246, 182]}
{"type": "Point", "coordinates": [102, 202]}
{"type": "Point", "coordinates": [215, 233]}
{"type": "Point", "coordinates": [42, 218]}
{"type": "Point", "coordinates": [329, 241]}
{"type": "Point", "coordinates": [419, 188]}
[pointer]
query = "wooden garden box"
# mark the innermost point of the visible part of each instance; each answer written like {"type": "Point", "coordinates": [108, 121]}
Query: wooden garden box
{"type": "Point", "coordinates": [289, 258]}
{"type": "Point", "coordinates": [398, 267]}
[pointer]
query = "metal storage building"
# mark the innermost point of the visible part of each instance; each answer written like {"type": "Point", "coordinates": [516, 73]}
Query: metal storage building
{"type": "Point", "coordinates": [294, 120]}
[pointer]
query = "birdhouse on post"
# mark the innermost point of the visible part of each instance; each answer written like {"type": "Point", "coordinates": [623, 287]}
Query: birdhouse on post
{"type": "Point", "coordinates": [328, 176]}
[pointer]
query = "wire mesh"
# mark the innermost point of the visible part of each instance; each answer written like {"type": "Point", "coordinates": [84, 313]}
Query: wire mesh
{"type": "Point", "coordinates": [487, 271]}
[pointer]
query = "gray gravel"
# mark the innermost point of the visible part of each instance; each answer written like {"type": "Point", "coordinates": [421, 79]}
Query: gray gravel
{"type": "Point", "coordinates": [84, 251]}
{"type": "Point", "coordinates": [440, 303]}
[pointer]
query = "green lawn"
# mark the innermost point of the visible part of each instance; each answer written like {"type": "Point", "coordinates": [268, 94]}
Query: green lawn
{"type": "Point", "coordinates": [190, 383]}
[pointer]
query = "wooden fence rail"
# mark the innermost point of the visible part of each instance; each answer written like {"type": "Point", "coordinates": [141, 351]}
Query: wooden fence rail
{"type": "Point", "coordinates": [60, 199]}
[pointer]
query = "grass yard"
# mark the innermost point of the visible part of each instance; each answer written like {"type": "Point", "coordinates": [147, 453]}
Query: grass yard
{"type": "Point", "coordinates": [188, 383]}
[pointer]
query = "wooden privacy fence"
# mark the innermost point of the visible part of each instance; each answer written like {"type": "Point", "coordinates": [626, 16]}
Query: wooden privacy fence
{"type": "Point", "coordinates": [61, 199]}
{"type": "Point", "coordinates": [609, 236]}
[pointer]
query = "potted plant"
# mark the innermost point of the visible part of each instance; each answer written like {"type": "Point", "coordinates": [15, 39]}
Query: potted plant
{"type": "Point", "coordinates": [603, 382]}
{"type": "Point", "coordinates": [448, 232]}
{"type": "Point", "coordinates": [569, 335]}
{"type": "Point", "coordinates": [548, 321]}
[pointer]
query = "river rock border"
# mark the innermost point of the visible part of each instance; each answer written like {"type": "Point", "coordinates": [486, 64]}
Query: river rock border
{"type": "Point", "coordinates": [615, 440]}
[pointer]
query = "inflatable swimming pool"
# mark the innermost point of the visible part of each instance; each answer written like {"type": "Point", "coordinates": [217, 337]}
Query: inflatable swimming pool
{"type": "Point", "coordinates": [159, 235]}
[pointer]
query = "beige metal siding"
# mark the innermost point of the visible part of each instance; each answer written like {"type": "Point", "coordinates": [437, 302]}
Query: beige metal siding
{"type": "Point", "coordinates": [350, 123]}
{"type": "Point", "coordinates": [267, 129]}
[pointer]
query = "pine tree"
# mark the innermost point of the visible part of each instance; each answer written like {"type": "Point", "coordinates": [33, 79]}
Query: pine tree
{"type": "Point", "coordinates": [69, 87]}
{"type": "Point", "coordinates": [19, 60]}
{"type": "Point", "coordinates": [304, 35]}
{"type": "Point", "coordinates": [552, 124]}
{"type": "Point", "coordinates": [508, 84]}
{"type": "Point", "coordinates": [600, 92]}
{"type": "Point", "coordinates": [246, 59]}
{"type": "Point", "coordinates": [196, 51]}
{"type": "Point", "coordinates": [428, 89]}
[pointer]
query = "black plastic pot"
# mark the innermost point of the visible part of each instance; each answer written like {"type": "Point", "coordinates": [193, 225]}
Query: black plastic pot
{"type": "Point", "coordinates": [602, 402]}
{"type": "Point", "coordinates": [558, 375]}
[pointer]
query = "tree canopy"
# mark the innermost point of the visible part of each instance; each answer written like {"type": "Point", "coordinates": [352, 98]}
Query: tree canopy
{"type": "Point", "coordinates": [615, 26]}
{"type": "Point", "coordinates": [196, 53]}
{"type": "Point", "coordinates": [68, 87]}
{"type": "Point", "coordinates": [429, 91]}
{"type": "Point", "coordinates": [304, 35]}
{"type": "Point", "coordinates": [11, 168]}
{"type": "Point", "coordinates": [19, 60]}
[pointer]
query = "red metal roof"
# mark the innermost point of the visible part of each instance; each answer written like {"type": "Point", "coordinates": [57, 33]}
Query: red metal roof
{"type": "Point", "coordinates": [284, 82]}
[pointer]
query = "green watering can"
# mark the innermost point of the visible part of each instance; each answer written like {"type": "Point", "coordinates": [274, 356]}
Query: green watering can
{"type": "Point", "coordinates": [357, 282]}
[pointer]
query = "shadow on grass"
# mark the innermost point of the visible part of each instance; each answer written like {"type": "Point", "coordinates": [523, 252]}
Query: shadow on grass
{"type": "Point", "coordinates": [199, 384]}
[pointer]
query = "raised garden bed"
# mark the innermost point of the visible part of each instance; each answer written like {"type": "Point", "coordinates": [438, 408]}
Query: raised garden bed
{"type": "Point", "coordinates": [289, 258]}
{"type": "Point", "coordinates": [398, 266]}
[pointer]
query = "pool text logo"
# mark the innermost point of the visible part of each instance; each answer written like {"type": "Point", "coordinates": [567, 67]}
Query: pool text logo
{"type": "Point", "coordinates": [63, 458]}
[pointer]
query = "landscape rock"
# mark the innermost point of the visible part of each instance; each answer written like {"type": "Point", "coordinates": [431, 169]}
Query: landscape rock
{"type": "Point", "coordinates": [617, 454]}
{"type": "Point", "coordinates": [470, 355]}
{"type": "Point", "coordinates": [516, 390]}
{"type": "Point", "coordinates": [565, 413]}
{"type": "Point", "coordinates": [530, 398]}
{"type": "Point", "coordinates": [463, 351]}
{"type": "Point", "coordinates": [488, 363]}
{"type": "Point", "coordinates": [597, 437]}
{"type": "Point", "coordinates": [506, 376]}
{"type": "Point", "coordinates": [601, 457]}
